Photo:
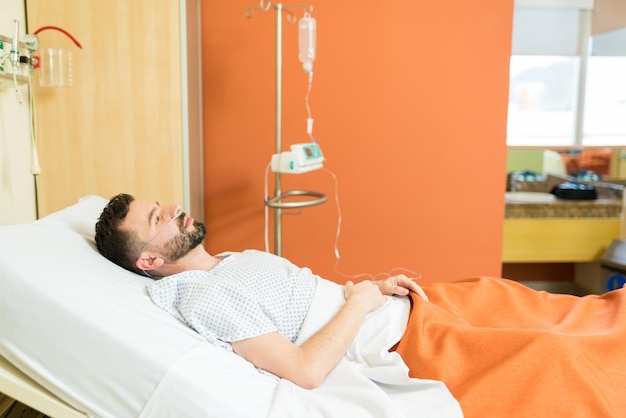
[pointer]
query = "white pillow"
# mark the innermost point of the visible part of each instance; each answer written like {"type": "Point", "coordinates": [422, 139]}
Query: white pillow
{"type": "Point", "coordinates": [86, 330]}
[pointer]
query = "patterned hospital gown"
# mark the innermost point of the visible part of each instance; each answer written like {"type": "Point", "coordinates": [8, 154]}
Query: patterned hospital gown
{"type": "Point", "coordinates": [245, 295]}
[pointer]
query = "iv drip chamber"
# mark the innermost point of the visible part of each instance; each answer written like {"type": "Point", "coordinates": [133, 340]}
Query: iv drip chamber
{"type": "Point", "coordinates": [306, 42]}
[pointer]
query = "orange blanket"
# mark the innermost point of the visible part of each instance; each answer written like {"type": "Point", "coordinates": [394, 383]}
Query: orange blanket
{"type": "Point", "coordinates": [505, 350]}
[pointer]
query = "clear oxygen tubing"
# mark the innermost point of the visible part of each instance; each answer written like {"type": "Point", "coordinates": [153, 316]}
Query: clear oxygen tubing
{"type": "Point", "coordinates": [177, 213]}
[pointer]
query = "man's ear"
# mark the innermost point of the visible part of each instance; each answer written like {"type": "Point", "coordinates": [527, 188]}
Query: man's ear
{"type": "Point", "coordinates": [146, 262]}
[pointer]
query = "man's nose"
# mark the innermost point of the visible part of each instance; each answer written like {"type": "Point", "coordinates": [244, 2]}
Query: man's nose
{"type": "Point", "coordinates": [174, 211]}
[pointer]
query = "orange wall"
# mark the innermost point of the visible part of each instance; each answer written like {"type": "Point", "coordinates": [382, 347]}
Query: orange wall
{"type": "Point", "coordinates": [409, 101]}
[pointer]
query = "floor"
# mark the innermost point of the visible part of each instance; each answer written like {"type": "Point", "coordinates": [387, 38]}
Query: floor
{"type": "Point", "coordinates": [10, 408]}
{"type": "Point", "coordinates": [566, 287]}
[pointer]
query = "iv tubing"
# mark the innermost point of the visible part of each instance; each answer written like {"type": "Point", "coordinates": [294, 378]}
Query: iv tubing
{"type": "Point", "coordinates": [278, 213]}
{"type": "Point", "coordinates": [390, 273]}
{"type": "Point", "coordinates": [309, 127]}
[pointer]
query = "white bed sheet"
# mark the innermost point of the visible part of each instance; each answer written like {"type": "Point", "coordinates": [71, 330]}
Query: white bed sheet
{"type": "Point", "coordinates": [369, 381]}
{"type": "Point", "coordinates": [86, 330]}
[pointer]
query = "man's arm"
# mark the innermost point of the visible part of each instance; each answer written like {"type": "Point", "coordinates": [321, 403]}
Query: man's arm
{"type": "Point", "coordinates": [308, 364]}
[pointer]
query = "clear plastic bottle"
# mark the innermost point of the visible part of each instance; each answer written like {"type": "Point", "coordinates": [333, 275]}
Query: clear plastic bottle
{"type": "Point", "coordinates": [306, 41]}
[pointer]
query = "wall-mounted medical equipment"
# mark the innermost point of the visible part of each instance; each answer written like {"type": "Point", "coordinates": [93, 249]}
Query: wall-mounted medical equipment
{"type": "Point", "coordinates": [56, 64]}
{"type": "Point", "coordinates": [19, 60]}
{"type": "Point", "coordinates": [16, 60]}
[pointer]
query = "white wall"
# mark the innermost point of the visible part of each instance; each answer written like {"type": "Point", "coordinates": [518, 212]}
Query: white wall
{"type": "Point", "coordinates": [17, 190]}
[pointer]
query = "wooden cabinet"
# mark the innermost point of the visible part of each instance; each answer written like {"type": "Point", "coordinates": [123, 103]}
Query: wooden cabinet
{"type": "Point", "coordinates": [131, 121]}
{"type": "Point", "coordinates": [557, 240]}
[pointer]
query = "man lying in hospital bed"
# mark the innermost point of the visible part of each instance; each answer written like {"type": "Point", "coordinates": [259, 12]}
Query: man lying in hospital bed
{"type": "Point", "coordinates": [86, 331]}
{"type": "Point", "coordinates": [254, 304]}
{"type": "Point", "coordinates": [499, 347]}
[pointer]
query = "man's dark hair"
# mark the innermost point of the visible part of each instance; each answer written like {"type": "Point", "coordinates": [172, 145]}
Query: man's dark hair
{"type": "Point", "coordinates": [118, 245]}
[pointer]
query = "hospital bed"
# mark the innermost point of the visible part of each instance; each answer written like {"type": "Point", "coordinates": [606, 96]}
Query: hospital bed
{"type": "Point", "coordinates": [80, 337]}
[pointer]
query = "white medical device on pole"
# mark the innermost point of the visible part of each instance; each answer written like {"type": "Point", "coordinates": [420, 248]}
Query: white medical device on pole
{"type": "Point", "coordinates": [301, 159]}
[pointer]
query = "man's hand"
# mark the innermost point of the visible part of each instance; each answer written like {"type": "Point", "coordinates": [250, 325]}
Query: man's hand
{"type": "Point", "coordinates": [399, 285]}
{"type": "Point", "coordinates": [365, 293]}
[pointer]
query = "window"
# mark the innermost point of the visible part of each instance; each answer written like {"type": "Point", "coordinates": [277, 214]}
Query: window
{"type": "Point", "coordinates": [567, 87]}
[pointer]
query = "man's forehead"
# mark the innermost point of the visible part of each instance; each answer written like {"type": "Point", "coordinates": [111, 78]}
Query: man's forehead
{"type": "Point", "coordinates": [139, 213]}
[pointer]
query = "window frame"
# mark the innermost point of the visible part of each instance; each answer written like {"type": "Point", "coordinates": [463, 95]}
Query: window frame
{"type": "Point", "coordinates": [585, 9]}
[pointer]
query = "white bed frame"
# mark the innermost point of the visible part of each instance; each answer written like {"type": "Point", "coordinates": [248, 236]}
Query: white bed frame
{"type": "Point", "coordinates": [18, 386]}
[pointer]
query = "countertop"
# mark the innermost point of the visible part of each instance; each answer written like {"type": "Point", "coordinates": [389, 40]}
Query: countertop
{"type": "Point", "coordinates": [560, 208]}
{"type": "Point", "coordinates": [608, 205]}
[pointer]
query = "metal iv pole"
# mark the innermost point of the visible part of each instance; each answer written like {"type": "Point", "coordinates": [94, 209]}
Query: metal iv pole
{"type": "Point", "coordinates": [278, 202]}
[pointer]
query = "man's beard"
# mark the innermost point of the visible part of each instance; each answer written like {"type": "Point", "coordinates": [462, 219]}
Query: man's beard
{"type": "Point", "coordinates": [182, 244]}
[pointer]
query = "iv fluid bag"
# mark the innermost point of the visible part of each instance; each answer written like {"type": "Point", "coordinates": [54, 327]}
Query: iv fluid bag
{"type": "Point", "coordinates": [306, 42]}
